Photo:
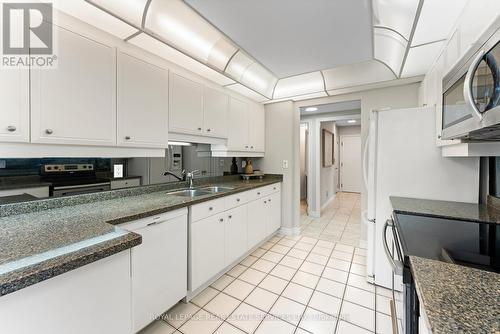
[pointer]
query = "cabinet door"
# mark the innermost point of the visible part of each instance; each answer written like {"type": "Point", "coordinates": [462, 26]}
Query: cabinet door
{"type": "Point", "coordinates": [186, 105]}
{"type": "Point", "coordinates": [159, 270]}
{"type": "Point", "coordinates": [237, 139]}
{"type": "Point", "coordinates": [76, 102]}
{"type": "Point", "coordinates": [257, 129]}
{"type": "Point", "coordinates": [142, 90]}
{"type": "Point", "coordinates": [273, 213]}
{"type": "Point", "coordinates": [207, 249]}
{"type": "Point", "coordinates": [14, 94]}
{"type": "Point", "coordinates": [257, 229]}
{"type": "Point", "coordinates": [235, 234]}
{"type": "Point", "coordinates": [215, 108]}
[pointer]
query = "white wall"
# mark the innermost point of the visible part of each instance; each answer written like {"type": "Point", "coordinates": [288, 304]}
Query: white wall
{"type": "Point", "coordinates": [303, 161]}
{"type": "Point", "coordinates": [349, 130]}
{"type": "Point", "coordinates": [282, 143]}
{"type": "Point", "coordinates": [328, 184]}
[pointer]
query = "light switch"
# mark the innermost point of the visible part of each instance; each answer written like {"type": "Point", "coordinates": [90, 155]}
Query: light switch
{"type": "Point", "coordinates": [118, 170]}
{"type": "Point", "coordinates": [285, 164]}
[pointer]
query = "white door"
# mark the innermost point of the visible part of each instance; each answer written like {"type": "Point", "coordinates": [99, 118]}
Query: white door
{"type": "Point", "coordinates": [350, 163]}
{"type": "Point", "coordinates": [235, 234]}
{"type": "Point", "coordinates": [186, 105]}
{"type": "Point", "coordinates": [257, 129]}
{"type": "Point", "coordinates": [215, 111]}
{"type": "Point", "coordinates": [159, 270]}
{"type": "Point", "coordinates": [207, 252]}
{"type": "Point", "coordinates": [257, 228]}
{"type": "Point", "coordinates": [237, 139]}
{"type": "Point", "coordinates": [142, 103]}
{"type": "Point", "coordinates": [274, 213]}
{"type": "Point", "coordinates": [75, 103]}
{"type": "Point", "coordinates": [14, 94]}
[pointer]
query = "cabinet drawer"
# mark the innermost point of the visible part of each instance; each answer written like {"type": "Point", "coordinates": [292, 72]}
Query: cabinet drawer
{"type": "Point", "coordinates": [263, 191]}
{"type": "Point", "coordinates": [236, 200]}
{"type": "Point", "coordinates": [119, 184]}
{"type": "Point", "coordinates": [274, 188]}
{"type": "Point", "coordinates": [207, 209]}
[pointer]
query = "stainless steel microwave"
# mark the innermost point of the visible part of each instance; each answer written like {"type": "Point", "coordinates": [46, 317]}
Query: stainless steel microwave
{"type": "Point", "coordinates": [471, 93]}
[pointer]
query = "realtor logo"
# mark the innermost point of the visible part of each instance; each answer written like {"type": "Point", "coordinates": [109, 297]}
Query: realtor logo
{"type": "Point", "coordinates": [27, 28]}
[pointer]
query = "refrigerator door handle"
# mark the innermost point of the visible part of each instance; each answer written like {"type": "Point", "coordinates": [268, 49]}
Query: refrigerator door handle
{"type": "Point", "coordinates": [397, 266]}
{"type": "Point", "coordinates": [365, 161]}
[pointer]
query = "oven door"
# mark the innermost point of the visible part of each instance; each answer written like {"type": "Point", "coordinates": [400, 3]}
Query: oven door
{"type": "Point", "coordinates": [62, 191]}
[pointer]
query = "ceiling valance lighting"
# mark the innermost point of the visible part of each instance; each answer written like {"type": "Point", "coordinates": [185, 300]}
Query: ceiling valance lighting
{"type": "Point", "coordinates": [407, 38]}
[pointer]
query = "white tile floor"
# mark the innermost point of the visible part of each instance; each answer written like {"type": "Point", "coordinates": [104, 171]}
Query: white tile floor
{"type": "Point", "coordinates": [311, 283]}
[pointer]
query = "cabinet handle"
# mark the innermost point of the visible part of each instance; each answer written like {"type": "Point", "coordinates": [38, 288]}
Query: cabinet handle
{"type": "Point", "coordinates": [127, 137]}
{"type": "Point", "coordinates": [230, 217]}
{"type": "Point", "coordinates": [208, 130]}
{"type": "Point", "coordinates": [199, 129]}
{"type": "Point", "coordinates": [11, 128]}
{"type": "Point", "coordinates": [237, 200]}
{"type": "Point", "coordinates": [251, 146]}
{"type": "Point", "coordinates": [265, 202]}
{"type": "Point", "coordinates": [49, 131]}
{"type": "Point", "coordinates": [258, 194]}
{"type": "Point", "coordinates": [221, 220]}
{"type": "Point", "coordinates": [210, 208]}
{"type": "Point", "coordinates": [274, 188]}
{"type": "Point", "coordinates": [246, 146]}
{"type": "Point", "coordinates": [269, 200]}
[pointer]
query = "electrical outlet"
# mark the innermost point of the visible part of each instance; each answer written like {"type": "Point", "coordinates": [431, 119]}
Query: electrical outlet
{"type": "Point", "coordinates": [3, 164]}
{"type": "Point", "coordinates": [243, 164]}
{"type": "Point", "coordinates": [285, 164]}
{"type": "Point", "coordinates": [118, 170]}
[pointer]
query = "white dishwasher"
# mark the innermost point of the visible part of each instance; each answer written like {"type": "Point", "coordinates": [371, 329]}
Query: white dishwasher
{"type": "Point", "coordinates": [158, 265]}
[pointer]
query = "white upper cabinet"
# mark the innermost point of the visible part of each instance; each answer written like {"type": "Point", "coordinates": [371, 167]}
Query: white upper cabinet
{"type": "Point", "coordinates": [142, 103]}
{"type": "Point", "coordinates": [14, 94]}
{"type": "Point", "coordinates": [257, 129]}
{"type": "Point", "coordinates": [75, 103]}
{"type": "Point", "coordinates": [186, 105]}
{"type": "Point", "coordinates": [237, 139]}
{"type": "Point", "coordinates": [215, 113]}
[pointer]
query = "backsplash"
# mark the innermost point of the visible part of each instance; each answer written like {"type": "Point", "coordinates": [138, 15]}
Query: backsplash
{"type": "Point", "coordinates": [495, 177]}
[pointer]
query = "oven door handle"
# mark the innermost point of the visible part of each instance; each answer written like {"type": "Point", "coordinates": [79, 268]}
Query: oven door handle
{"type": "Point", "coordinates": [468, 84]}
{"type": "Point", "coordinates": [397, 266]}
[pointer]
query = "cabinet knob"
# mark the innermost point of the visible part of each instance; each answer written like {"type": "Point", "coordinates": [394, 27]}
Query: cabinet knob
{"type": "Point", "coordinates": [208, 130]}
{"type": "Point", "coordinates": [258, 194]}
{"type": "Point", "coordinates": [251, 146]}
{"type": "Point", "coordinates": [210, 208]}
{"type": "Point", "coordinates": [246, 146]}
{"type": "Point", "coordinates": [269, 200]}
{"type": "Point", "coordinates": [237, 200]}
{"type": "Point", "coordinates": [127, 137]}
{"type": "Point", "coordinates": [199, 129]}
{"type": "Point", "coordinates": [49, 131]}
{"type": "Point", "coordinates": [230, 217]}
{"type": "Point", "coordinates": [265, 202]}
{"type": "Point", "coordinates": [11, 128]}
{"type": "Point", "coordinates": [221, 220]}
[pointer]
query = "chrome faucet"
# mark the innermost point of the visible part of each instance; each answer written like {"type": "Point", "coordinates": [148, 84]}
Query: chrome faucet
{"type": "Point", "coordinates": [180, 178]}
{"type": "Point", "coordinates": [190, 177]}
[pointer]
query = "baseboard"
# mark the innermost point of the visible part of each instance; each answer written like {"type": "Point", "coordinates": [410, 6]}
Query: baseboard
{"type": "Point", "coordinates": [330, 200]}
{"type": "Point", "coordinates": [314, 214]}
{"type": "Point", "coordinates": [290, 230]}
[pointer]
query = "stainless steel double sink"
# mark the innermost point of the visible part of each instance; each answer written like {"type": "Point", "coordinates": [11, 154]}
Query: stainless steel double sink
{"type": "Point", "coordinates": [202, 191]}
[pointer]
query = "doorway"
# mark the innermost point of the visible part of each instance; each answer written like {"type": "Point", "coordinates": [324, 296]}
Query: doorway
{"type": "Point", "coordinates": [304, 140]}
{"type": "Point", "coordinates": [350, 163]}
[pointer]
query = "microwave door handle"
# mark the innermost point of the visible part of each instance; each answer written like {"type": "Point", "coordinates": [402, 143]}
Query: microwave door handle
{"type": "Point", "coordinates": [396, 265]}
{"type": "Point", "coordinates": [468, 84]}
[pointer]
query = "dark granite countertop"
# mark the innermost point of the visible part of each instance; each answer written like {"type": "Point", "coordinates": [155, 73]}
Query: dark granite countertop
{"type": "Point", "coordinates": [479, 213]}
{"type": "Point", "coordinates": [22, 182]}
{"type": "Point", "coordinates": [457, 299]}
{"type": "Point", "coordinates": [17, 198]}
{"type": "Point", "coordinates": [45, 238]}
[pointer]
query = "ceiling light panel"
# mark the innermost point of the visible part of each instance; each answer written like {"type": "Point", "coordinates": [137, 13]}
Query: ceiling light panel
{"type": "Point", "coordinates": [421, 58]}
{"type": "Point", "coordinates": [181, 27]}
{"type": "Point", "coordinates": [164, 51]}
{"type": "Point", "coordinates": [397, 15]}
{"type": "Point", "coordinates": [259, 79]}
{"type": "Point", "coordinates": [238, 65]}
{"type": "Point", "coordinates": [299, 85]}
{"type": "Point", "coordinates": [357, 74]}
{"type": "Point", "coordinates": [436, 20]}
{"type": "Point", "coordinates": [130, 10]}
{"type": "Point", "coordinates": [389, 48]}
{"type": "Point", "coordinates": [240, 89]}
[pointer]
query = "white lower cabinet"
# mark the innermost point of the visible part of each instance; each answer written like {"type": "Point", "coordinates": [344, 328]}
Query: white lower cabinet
{"type": "Point", "coordinates": [207, 249]}
{"type": "Point", "coordinates": [91, 299]}
{"type": "Point", "coordinates": [235, 233]}
{"type": "Point", "coordinates": [159, 266]}
{"type": "Point", "coordinates": [225, 229]}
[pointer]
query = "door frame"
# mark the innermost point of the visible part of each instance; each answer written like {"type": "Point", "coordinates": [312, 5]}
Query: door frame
{"type": "Point", "coordinates": [341, 147]}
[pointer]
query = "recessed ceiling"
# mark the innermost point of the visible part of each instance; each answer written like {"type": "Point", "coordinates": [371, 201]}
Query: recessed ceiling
{"type": "Point", "coordinates": [337, 107]}
{"type": "Point", "coordinates": [291, 37]}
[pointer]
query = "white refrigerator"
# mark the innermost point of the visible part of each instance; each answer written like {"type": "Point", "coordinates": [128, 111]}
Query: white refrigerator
{"type": "Point", "coordinates": [401, 159]}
